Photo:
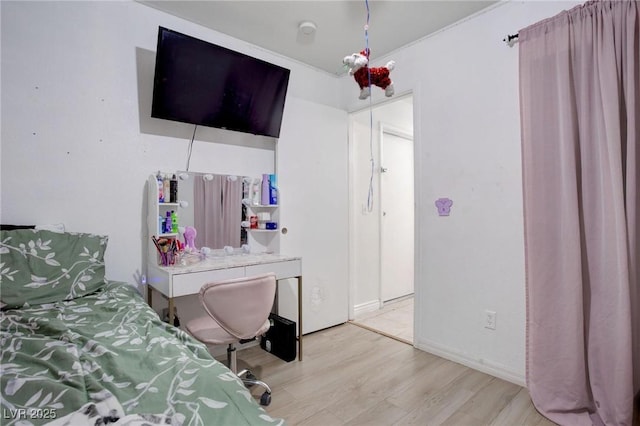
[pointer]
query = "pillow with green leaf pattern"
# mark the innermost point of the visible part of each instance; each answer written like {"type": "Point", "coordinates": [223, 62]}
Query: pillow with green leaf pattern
{"type": "Point", "coordinates": [40, 266]}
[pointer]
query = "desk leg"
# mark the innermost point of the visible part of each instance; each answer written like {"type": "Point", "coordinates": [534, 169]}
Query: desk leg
{"type": "Point", "coordinates": [150, 295]}
{"type": "Point", "coordinates": [171, 311]}
{"type": "Point", "coordinates": [300, 318]}
{"type": "Point", "coordinates": [171, 304]}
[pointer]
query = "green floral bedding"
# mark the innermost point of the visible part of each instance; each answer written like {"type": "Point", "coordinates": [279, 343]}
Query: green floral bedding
{"type": "Point", "coordinates": [58, 357]}
{"type": "Point", "coordinates": [100, 347]}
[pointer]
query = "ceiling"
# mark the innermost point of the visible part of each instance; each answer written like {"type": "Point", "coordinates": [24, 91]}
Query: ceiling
{"type": "Point", "coordinates": [274, 25]}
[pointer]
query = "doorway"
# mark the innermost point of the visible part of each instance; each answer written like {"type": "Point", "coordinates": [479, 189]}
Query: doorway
{"type": "Point", "coordinates": [397, 211]}
{"type": "Point", "coordinates": [382, 207]}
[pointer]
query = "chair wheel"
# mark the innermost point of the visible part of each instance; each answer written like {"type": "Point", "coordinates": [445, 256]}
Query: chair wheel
{"type": "Point", "coordinates": [265, 399]}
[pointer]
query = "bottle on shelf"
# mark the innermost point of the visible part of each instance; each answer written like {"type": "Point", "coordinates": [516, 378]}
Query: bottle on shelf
{"type": "Point", "coordinates": [174, 222]}
{"type": "Point", "coordinates": [168, 226]}
{"type": "Point", "coordinates": [160, 187]}
{"type": "Point", "coordinates": [173, 189]}
{"type": "Point", "coordinates": [273, 190]}
{"type": "Point", "coordinates": [166, 189]}
{"type": "Point", "coordinates": [264, 198]}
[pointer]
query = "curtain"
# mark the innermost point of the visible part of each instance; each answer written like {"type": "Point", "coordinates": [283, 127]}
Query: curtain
{"type": "Point", "coordinates": [207, 211]}
{"type": "Point", "coordinates": [580, 118]}
{"type": "Point", "coordinates": [232, 209]}
{"type": "Point", "coordinates": [217, 210]}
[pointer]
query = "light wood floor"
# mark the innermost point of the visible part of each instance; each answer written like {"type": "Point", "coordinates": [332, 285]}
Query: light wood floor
{"type": "Point", "coordinates": [353, 376]}
{"type": "Point", "coordinates": [394, 319]}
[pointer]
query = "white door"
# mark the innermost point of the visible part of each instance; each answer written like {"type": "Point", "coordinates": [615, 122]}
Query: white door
{"type": "Point", "coordinates": [311, 163]}
{"type": "Point", "coordinates": [397, 210]}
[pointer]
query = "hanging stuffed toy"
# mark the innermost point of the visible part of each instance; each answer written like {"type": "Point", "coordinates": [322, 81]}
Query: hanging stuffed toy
{"type": "Point", "coordinates": [359, 69]}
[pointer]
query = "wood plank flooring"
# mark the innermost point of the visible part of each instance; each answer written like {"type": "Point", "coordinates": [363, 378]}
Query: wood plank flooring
{"type": "Point", "coordinates": [353, 376]}
{"type": "Point", "coordinates": [394, 319]}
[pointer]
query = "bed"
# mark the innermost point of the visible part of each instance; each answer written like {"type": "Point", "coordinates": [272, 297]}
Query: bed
{"type": "Point", "coordinates": [79, 349]}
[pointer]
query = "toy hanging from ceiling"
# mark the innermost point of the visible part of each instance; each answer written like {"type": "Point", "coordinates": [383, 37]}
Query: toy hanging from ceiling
{"type": "Point", "coordinates": [366, 77]}
{"type": "Point", "coordinates": [358, 66]}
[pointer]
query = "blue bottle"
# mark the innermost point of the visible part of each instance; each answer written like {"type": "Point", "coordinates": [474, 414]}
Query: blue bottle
{"type": "Point", "coordinates": [167, 224]}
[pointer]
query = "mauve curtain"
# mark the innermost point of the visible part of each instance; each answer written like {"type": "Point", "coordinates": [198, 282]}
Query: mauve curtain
{"type": "Point", "coordinates": [232, 209]}
{"type": "Point", "coordinates": [580, 117]}
{"type": "Point", "coordinates": [207, 211]}
{"type": "Point", "coordinates": [217, 210]}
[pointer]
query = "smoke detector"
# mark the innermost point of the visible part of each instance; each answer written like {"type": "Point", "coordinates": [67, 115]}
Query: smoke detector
{"type": "Point", "coordinates": [307, 28]}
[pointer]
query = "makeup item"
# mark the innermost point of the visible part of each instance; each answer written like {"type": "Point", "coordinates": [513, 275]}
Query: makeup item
{"type": "Point", "coordinates": [264, 200]}
{"type": "Point", "coordinates": [173, 189]}
{"type": "Point", "coordinates": [166, 189]}
{"type": "Point", "coordinates": [255, 191]}
{"type": "Point", "coordinates": [174, 222]}
{"type": "Point", "coordinates": [160, 225]}
{"type": "Point", "coordinates": [160, 187]}
{"type": "Point", "coordinates": [271, 225]}
{"type": "Point", "coordinates": [273, 190]}
{"type": "Point", "coordinates": [167, 224]}
{"type": "Point", "coordinates": [253, 220]}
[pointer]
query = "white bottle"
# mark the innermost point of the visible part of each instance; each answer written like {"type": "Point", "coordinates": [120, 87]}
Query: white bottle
{"type": "Point", "coordinates": [257, 183]}
{"type": "Point", "coordinates": [160, 187]}
{"type": "Point", "coordinates": [166, 189]}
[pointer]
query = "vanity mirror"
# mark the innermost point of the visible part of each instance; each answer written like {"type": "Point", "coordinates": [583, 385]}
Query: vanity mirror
{"type": "Point", "coordinates": [213, 207]}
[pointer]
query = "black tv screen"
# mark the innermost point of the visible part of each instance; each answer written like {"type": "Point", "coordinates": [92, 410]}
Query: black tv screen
{"type": "Point", "coordinates": [201, 83]}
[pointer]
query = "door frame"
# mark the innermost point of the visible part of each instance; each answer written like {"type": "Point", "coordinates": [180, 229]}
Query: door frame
{"type": "Point", "coordinates": [354, 209]}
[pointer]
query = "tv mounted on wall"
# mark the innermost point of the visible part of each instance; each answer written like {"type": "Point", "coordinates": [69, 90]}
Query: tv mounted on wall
{"type": "Point", "coordinates": [201, 83]}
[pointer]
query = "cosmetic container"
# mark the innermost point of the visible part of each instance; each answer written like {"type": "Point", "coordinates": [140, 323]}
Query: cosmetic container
{"type": "Point", "coordinates": [174, 222]}
{"type": "Point", "coordinates": [168, 226]}
{"type": "Point", "coordinates": [173, 189]}
{"type": "Point", "coordinates": [160, 187]}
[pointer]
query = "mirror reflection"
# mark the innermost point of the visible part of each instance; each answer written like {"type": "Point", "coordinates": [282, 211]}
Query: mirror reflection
{"type": "Point", "coordinates": [214, 208]}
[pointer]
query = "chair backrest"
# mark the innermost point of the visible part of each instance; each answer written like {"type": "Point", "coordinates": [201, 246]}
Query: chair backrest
{"type": "Point", "coordinates": [242, 305]}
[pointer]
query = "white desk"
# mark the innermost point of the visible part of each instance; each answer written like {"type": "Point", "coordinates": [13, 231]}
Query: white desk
{"type": "Point", "coordinates": [176, 281]}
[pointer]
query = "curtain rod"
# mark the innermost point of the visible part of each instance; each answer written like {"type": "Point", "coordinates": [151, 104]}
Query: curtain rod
{"type": "Point", "coordinates": [511, 39]}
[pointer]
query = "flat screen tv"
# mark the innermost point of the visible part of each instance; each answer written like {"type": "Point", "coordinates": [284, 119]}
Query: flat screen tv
{"type": "Point", "coordinates": [201, 83]}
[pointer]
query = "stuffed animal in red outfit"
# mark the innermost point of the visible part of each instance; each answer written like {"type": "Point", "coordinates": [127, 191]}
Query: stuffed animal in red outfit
{"type": "Point", "coordinates": [359, 69]}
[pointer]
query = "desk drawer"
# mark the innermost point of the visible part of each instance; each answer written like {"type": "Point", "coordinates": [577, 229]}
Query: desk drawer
{"type": "Point", "coordinates": [186, 284]}
{"type": "Point", "coordinates": [288, 269]}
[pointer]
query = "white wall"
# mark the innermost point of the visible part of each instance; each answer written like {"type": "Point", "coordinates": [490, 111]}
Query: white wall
{"type": "Point", "coordinates": [77, 147]}
{"type": "Point", "coordinates": [77, 140]}
{"type": "Point", "coordinates": [467, 146]}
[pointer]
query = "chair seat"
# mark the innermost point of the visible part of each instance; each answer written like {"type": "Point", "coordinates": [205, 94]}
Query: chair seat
{"type": "Point", "coordinates": [206, 330]}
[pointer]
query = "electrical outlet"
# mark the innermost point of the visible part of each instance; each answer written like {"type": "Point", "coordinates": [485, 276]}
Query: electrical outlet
{"type": "Point", "coordinates": [490, 319]}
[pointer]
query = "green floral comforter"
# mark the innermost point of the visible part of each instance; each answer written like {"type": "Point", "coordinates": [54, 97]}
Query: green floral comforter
{"type": "Point", "coordinates": [60, 356]}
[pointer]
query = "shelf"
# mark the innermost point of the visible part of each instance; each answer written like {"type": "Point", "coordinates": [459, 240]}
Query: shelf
{"type": "Point", "coordinates": [169, 204]}
{"type": "Point", "coordinates": [168, 235]}
{"type": "Point", "coordinates": [263, 206]}
{"type": "Point", "coordinates": [261, 230]}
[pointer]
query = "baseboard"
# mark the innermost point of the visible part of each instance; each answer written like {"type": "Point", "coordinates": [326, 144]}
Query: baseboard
{"type": "Point", "coordinates": [492, 369]}
{"type": "Point", "coordinates": [362, 308]}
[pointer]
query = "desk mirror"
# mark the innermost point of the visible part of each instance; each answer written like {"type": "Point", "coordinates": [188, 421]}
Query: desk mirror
{"type": "Point", "coordinates": [214, 208]}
